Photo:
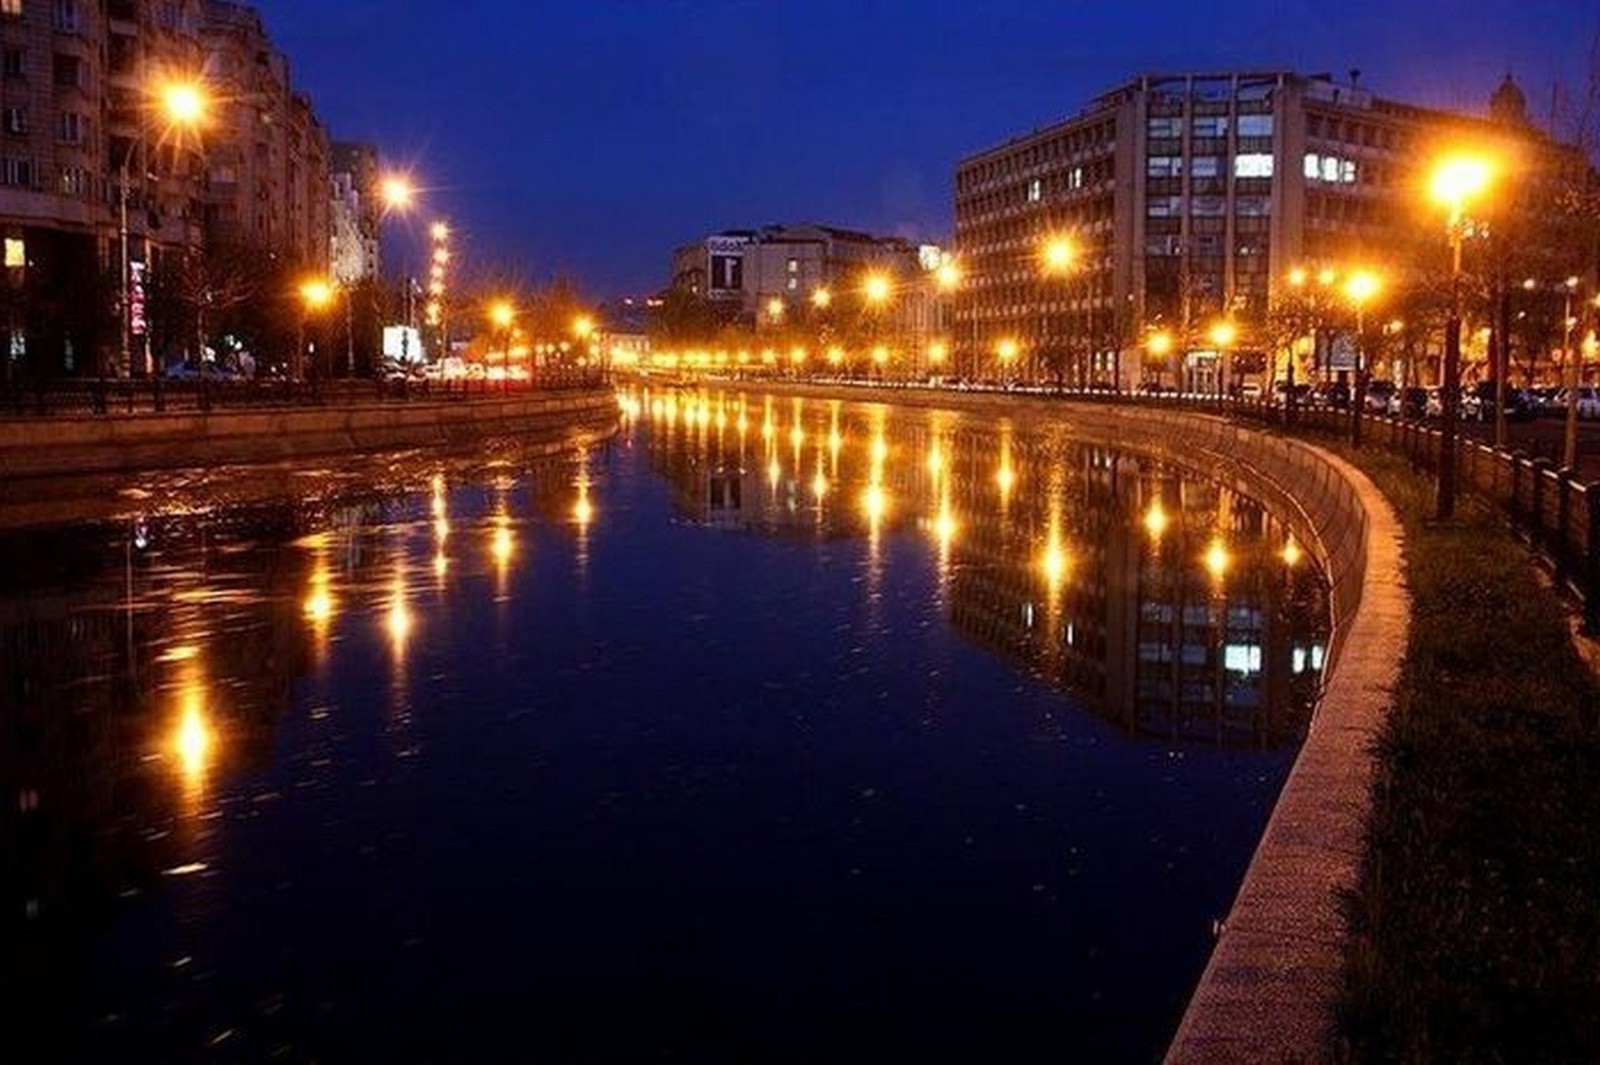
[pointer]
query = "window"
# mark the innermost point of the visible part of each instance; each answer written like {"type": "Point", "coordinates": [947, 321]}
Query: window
{"type": "Point", "coordinates": [1255, 125]}
{"type": "Point", "coordinates": [68, 71]}
{"type": "Point", "coordinates": [1159, 166]}
{"type": "Point", "coordinates": [74, 128]}
{"type": "Point", "coordinates": [1210, 125]}
{"type": "Point", "coordinates": [11, 8]}
{"type": "Point", "coordinates": [794, 266]}
{"type": "Point", "coordinates": [1163, 206]}
{"type": "Point", "coordinates": [16, 120]}
{"type": "Point", "coordinates": [1205, 166]}
{"type": "Point", "coordinates": [1035, 190]}
{"type": "Point", "coordinates": [15, 62]}
{"type": "Point", "coordinates": [1075, 178]}
{"type": "Point", "coordinates": [1209, 206]}
{"type": "Point", "coordinates": [74, 180]}
{"type": "Point", "coordinates": [16, 253]}
{"type": "Point", "coordinates": [66, 16]}
{"type": "Point", "coordinates": [17, 173]}
{"type": "Point", "coordinates": [1165, 128]}
{"type": "Point", "coordinates": [1252, 165]}
{"type": "Point", "coordinates": [1330, 168]}
{"type": "Point", "coordinates": [1252, 206]}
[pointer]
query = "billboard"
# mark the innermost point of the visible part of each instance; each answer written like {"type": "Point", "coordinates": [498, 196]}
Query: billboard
{"type": "Point", "coordinates": [726, 264]}
{"type": "Point", "coordinates": [402, 343]}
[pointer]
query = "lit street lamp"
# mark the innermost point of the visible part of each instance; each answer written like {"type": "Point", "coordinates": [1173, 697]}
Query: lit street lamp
{"type": "Point", "coordinates": [1359, 288]}
{"type": "Point", "coordinates": [315, 295]}
{"type": "Point", "coordinates": [184, 105]}
{"type": "Point", "coordinates": [1223, 334]}
{"type": "Point", "coordinates": [1456, 181]}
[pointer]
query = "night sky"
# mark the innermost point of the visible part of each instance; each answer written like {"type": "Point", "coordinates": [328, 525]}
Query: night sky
{"type": "Point", "coordinates": [588, 137]}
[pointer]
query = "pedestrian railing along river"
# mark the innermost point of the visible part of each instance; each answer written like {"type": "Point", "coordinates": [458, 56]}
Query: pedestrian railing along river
{"type": "Point", "coordinates": [106, 397]}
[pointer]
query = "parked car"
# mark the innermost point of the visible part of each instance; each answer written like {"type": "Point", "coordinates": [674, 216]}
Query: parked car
{"type": "Point", "coordinates": [1588, 401]}
{"type": "Point", "coordinates": [1409, 403]}
{"type": "Point", "coordinates": [1378, 395]}
{"type": "Point", "coordinates": [1280, 393]}
{"type": "Point", "coordinates": [1332, 394]}
{"type": "Point", "coordinates": [1480, 401]}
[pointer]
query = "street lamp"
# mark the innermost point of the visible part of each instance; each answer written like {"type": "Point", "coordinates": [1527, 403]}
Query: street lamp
{"type": "Point", "coordinates": [1569, 452]}
{"type": "Point", "coordinates": [1457, 180]}
{"type": "Point", "coordinates": [1223, 334]}
{"type": "Point", "coordinates": [184, 105]}
{"type": "Point", "coordinates": [1359, 288]}
{"type": "Point", "coordinates": [1158, 346]}
{"type": "Point", "coordinates": [502, 315]}
{"type": "Point", "coordinates": [316, 294]}
{"type": "Point", "coordinates": [821, 299]}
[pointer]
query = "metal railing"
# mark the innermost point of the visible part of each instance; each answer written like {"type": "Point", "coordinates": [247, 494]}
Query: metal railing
{"type": "Point", "coordinates": [107, 397]}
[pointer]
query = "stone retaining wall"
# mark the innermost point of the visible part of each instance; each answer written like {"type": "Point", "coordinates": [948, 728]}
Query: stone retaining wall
{"type": "Point", "coordinates": [32, 447]}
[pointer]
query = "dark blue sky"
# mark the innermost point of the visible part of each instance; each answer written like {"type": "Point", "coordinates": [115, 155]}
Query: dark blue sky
{"type": "Point", "coordinates": [591, 136]}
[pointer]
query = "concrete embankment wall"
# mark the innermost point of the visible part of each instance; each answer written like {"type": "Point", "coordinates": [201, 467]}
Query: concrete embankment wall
{"type": "Point", "coordinates": [1270, 990]}
{"type": "Point", "coordinates": [36, 447]}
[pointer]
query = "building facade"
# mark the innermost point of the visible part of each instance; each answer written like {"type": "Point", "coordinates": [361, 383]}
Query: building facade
{"type": "Point", "coordinates": [269, 184]}
{"type": "Point", "coordinates": [353, 248]}
{"type": "Point", "coordinates": [748, 269]}
{"type": "Point", "coordinates": [100, 191]}
{"type": "Point", "coordinates": [1189, 199]}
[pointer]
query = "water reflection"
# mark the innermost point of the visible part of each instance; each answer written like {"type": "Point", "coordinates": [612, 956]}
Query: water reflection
{"type": "Point", "coordinates": [144, 664]}
{"type": "Point", "coordinates": [1157, 596]}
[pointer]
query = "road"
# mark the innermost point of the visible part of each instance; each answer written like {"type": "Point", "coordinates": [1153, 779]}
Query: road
{"type": "Point", "coordinates": [1544, 438]}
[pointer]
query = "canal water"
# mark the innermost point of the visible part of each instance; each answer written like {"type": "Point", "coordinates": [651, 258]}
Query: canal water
{"type": "Point", "coordinates": [769, 730]}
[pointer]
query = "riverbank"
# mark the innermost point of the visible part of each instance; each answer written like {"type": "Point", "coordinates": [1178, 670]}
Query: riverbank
{"type": "Point", "coordinates": [1476, 926]}
{"type": "Point", "coordinates": [123, 444]}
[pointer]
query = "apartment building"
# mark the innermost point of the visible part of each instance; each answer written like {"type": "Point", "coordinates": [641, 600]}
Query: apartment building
{"type": "Point", "coordinates": [1187, 198]}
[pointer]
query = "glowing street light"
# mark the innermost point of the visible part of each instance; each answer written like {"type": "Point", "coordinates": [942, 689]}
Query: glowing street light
{"type": "Point", "coordinates": [948, 275]}
{"type": "Point", "coordinates": [1458, 179]}
{"type": "Point", "coordinates": [1359, 288]}
{"type": "Point", "coordinates": [396, 191]}
{"type": "Point", "coordinates": [1059, 255]}
{"type": "Point", "coordinates": [877, 288]}
{"type": "Point", "coordinates": [182, 105]}
{"type": "Point", "coordinates": [821, 299]}
{"type": "Point", "coordinates": [775, 308]}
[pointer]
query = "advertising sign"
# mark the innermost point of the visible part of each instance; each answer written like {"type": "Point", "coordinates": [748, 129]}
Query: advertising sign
{"type": "Point", "coordinates": [726, 264]}
{"type": "Point", "coordinates": [402, 343]}
{"type": "Point", "coordinates": [136, 300]}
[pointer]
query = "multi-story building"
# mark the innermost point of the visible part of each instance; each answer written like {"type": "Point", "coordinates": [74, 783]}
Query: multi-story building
{"type": "Point", "coordinates": [269, 185]}
{"type": "Point", "coordinates": [1189, 198]}
{"type": "Point", "coordinates": [748, 269]}
{"type": "Point", "coordinates": [355, 215]}
{"type": "Point", "coordinates": [99, 186]}
{"type": "Point", "coordinates": [88, 175]}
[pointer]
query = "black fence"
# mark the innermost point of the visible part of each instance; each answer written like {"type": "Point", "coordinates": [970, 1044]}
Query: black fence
{"type": "Point", "coordinates": [78, 397]}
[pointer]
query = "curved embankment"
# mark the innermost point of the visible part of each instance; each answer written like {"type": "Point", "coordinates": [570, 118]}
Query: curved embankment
{"type": "Point", "coordinates": [1270, 989]}
{"type": "Point", "coordinates": [38, 447]}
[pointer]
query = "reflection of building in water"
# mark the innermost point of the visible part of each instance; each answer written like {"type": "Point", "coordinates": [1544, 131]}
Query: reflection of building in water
{"type": "Point", "coordinates": [1158, 596]}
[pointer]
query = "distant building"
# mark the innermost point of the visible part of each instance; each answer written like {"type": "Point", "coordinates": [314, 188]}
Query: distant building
{"type": "Point", "coordinates": [748, 269]}
{"type": "Point", "coordinates": [269, 184]}
{"type": "Point", "coordinates": [353, 250]}
{"type": "Point", "coordinates": [1191, 197]}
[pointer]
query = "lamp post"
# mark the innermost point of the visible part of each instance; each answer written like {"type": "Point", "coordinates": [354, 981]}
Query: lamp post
{"type": "Point", "coordinates": [1223, 334]}
{"type": "Point", "coordinates": [1359, 288]}
{"type": "Point", "coordinates": [315, 294]}
{"type": "Point", "coordinates": [876, 291]}
{"type": "Point", "coordinates": [1058, 257]}
{"type": "Point", "coordinates": [184, 105]}
{"type": "Point", "coordinates": [1569, 450]}
{"type": "Point", "coordinates": [503, 315]}
{"type": "Point", "coordinates": [1456, 181]}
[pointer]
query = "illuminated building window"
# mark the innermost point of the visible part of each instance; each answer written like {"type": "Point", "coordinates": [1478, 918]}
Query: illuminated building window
{"type": "Point", "coordinates": [1252, 165]}
{"type": "Point", "coordinates": [1035, 190]}
{"type": "Point", "coordinates": [16, 253]}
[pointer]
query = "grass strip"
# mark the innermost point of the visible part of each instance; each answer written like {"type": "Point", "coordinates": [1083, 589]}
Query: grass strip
{"type": "Point", "coordinates": [1476, 923]}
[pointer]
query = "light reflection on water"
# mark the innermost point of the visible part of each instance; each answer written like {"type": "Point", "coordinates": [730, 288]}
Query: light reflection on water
{"type": "Point", "coordinates": [478, 757]}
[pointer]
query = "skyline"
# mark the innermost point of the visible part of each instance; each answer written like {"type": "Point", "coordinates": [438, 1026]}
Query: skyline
{"type": "Point", "coordinates": [622, 130]}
